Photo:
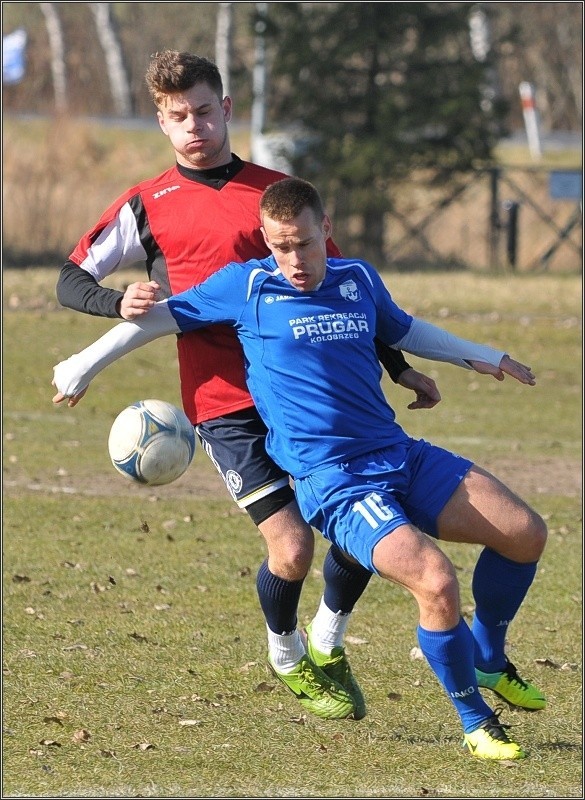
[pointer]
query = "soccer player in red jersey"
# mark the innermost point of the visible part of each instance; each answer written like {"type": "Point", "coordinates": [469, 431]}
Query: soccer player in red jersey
{"type": "Point", "coordinates": [183, 225]}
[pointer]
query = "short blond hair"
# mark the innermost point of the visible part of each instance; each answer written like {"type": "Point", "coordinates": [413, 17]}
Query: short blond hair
{"type": "Point", "coordinates": [287, 198]}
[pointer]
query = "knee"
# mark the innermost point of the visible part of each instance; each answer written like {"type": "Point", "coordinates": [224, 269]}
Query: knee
{"type": "Point", "coordinates": [444, 587]}
{"type": "Point", "coordinates": [526, 538]}
{"type": "Point", "coordinates": [441, 590]}
{"type": "Point", "coordinates": [293, 556]}
{"type": "Point", "coordinates": [535, 538]}
{"type": "Point", "coordinates": [290, 551]}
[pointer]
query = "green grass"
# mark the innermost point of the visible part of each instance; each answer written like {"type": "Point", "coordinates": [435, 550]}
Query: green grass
{"type": "Point", "coordinates": [128, 612]}
{"type": "Point", "coordinates": [518, 155]}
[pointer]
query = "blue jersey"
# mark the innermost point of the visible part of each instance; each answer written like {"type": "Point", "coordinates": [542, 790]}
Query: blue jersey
{"type": "Point", "coordinates": [311, 362]}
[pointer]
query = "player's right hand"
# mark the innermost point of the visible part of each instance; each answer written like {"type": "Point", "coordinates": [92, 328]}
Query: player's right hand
{"type": "Point", "coordinates": [72, 400]}
{"type": "Point", "coordinates": [138, 299]}
{"type": "Point", "coordinates": [70, 379]}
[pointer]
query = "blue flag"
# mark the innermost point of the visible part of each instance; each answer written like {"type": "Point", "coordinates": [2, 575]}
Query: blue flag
{"type": "Point", "coordinates": [13, 47]}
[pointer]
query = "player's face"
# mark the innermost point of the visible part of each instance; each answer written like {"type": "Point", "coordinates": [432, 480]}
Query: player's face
{"type": "Point", "coordinates": [299, 248]}
{"type": "Point", "coordinates": [196, 123]}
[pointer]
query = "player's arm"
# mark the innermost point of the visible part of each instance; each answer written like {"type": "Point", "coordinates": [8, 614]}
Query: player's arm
{"type": "Point", "coordinates": [72, 376]}
{"type": "Point", "coordinates": [428, 341]}
{"type": "Point", "coordinates": [392, 360]}
{"type": "Point", "coordinates": [217, 300]}
{"type": "Point", "coordinates": [114, 242]}
{"type": "Point", "coordinates": [79, 290]}
{"type": "Point", "coordinates": [425, 388]}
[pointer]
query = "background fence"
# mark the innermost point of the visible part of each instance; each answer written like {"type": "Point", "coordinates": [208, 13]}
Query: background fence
{"type": "Point", "coordinates": [523, 219]}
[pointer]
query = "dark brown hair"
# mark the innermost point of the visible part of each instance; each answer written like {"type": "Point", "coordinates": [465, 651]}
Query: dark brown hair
{"type": "Point", "coordinates": [171, 72]}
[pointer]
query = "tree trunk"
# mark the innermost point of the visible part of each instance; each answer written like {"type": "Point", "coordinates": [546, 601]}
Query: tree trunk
{"type": "Point", "coordinates": [55, 32]}
{"type": "Point", "coordinates": [119, 85]}
{"type": "Point", "coordinates": [258, 115]}
{"type": "Point", "coordinates": [223, 43]}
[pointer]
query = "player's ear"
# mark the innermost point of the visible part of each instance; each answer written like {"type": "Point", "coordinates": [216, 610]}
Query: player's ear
{"type": "Point", "coordinates": [226, 105]}
{"type": "Point", "coordinates": [266, 242]}
{"type": "Point", "coordinates": [327, 227]}
{"type": "Point", "coordinates": [161, 121]}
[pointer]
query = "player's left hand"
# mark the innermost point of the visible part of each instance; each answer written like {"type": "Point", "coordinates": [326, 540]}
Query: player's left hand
{"type": "Point", "coordinates": [427, 394]}
{"type": "Point", "coordinates": [509, 366]}
{"type": "Point", "coordinates": [138, 299]}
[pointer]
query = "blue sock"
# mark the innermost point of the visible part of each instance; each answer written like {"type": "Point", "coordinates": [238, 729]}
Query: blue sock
{"type": "Point", "coordinates": [499, 586]}
{"type": "Point", "coordinates": [345, 581]}
{"type": "Point", "coordinates": [279, 600]}
{"type": "Point", "coordinates": [450, 656]}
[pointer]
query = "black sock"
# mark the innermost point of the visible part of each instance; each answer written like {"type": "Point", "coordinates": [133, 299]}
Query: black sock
{"type": "Point", "coordinates": [345, 581]}
{"type": "Point", "coordinates": [279, 600]}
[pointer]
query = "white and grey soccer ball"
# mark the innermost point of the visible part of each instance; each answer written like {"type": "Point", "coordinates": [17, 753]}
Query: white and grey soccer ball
{"type": "Point", "coordinates": [152, 442]}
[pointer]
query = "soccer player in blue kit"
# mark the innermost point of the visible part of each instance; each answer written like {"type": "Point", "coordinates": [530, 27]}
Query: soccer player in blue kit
{"type": "Point", "coordinates": [181, 226]}
{"type": "Point", "coordinates": [382, 497]}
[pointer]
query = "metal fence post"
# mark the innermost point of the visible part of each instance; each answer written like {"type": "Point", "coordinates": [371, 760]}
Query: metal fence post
{"type": "Point", "coordinates": [494, 221]}
{"type": "Point", "coordinates": [511, 207]}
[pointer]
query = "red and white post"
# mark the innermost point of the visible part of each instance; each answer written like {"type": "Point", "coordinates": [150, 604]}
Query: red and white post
{"type": "Point", "coordinates": [530, 119]}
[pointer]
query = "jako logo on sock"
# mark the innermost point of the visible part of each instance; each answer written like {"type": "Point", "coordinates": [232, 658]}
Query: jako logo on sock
{"type": "Point", "coordinates": [464, 693]}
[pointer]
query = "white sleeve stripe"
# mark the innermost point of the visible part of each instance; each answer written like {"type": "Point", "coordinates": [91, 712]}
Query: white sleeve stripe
{"type": "Point", "coordinates": [350, 264]}
{"type": "Point", "coordinates": [253, 276]}
{"type": "Point", "coordinates": [118, 245]}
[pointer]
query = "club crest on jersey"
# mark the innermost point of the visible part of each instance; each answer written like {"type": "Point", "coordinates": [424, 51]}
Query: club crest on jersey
{"type": "Point", "coordinates": [350, 291]}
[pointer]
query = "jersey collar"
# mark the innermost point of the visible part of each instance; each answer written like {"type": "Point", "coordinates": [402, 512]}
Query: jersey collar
{"type": "Point", "coordinates": [216, 177]}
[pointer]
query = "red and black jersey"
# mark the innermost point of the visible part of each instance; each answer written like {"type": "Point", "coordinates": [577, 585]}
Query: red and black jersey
{"type": "Point", "coordinates": [182, 225]}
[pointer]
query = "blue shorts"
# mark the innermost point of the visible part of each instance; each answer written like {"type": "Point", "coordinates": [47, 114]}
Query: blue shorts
{"type": "Point", "coordinates": [356, 503]}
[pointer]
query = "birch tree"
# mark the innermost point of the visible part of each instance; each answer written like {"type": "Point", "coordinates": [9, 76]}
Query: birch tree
{"type": "Point", "coordinates": [223, 43]}
{"type": "Point", "coordinates": [56, 44]}
{"type": "Point", "coordinates": [112, 49]}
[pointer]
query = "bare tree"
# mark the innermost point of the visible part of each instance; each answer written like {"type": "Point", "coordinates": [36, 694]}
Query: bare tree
{"type": "Point", "coordinates": [55, 32]}
{"type": "Point", "coordinates": [119, 84]}
{"type": "Point", "coordinates": [259, 80]}
{"type": "Point", "coordinates": [223, 43]}
{"type": "Point", "coordinates": [541, 43]}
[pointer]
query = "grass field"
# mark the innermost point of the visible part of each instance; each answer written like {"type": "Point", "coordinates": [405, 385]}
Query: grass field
{"type": "Point", "coordinates": [134, 647]}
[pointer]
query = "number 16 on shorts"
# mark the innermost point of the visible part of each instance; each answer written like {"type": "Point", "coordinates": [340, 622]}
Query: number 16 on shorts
{"type": "Point", "coordinates": [374, 510]}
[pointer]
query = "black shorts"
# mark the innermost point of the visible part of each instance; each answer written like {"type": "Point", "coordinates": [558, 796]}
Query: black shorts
{"type": "Point", "coordinates": [236, 444]}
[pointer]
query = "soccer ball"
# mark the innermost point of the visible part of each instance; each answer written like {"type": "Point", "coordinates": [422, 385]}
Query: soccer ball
{"type": "Point", "coordinates": [152, 442]}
